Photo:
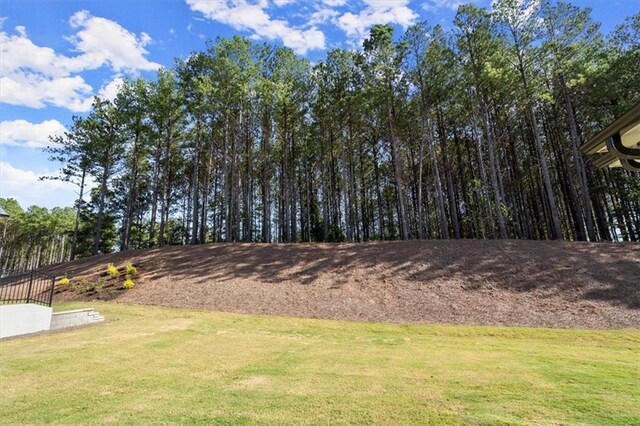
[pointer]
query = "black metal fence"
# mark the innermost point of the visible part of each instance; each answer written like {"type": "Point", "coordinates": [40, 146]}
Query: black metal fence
{"type": "Point", "coordinates": [26, 287]}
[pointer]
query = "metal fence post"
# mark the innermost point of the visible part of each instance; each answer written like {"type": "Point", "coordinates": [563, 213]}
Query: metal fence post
{"type": "Point", "coordinates": [30, 284]}
{"type": "Point", "coordinates": [53, 285]}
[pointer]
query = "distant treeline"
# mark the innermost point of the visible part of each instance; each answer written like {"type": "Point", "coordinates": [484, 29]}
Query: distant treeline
{"type": "Point", "coordinates": [34, 237]}
{"type": "Point", "coordinates": [472, 132]}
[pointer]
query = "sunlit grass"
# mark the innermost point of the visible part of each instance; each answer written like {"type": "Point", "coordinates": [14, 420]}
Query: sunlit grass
{"type": "Point", "coordinates": [161, 365]}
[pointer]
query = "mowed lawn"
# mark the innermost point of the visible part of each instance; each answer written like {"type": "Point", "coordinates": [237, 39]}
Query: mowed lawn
{"type": "Point", "coordinates": [174, 366]}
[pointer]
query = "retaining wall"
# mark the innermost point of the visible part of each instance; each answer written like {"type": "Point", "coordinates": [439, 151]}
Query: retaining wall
{"type": "Point", "coordinates": [74, 318]}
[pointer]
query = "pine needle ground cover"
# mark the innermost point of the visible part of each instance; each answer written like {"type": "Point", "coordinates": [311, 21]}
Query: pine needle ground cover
{"type": "Point", "coordinates": [176, 366]}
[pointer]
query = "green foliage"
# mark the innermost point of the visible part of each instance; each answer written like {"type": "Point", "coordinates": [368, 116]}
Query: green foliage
{"type": "Point", "coordinates": [130, 270]}
{"type": "Point", "coordinates": [128, 283]}
{"type": "Point", "coordinates": [33, 231]}
{"type": "Point", "coordinates": [413, 136]}
{"type": "Point", "coordinates": [82, 286]}
{"type": "Point", "coordinates": [11, 206]}
{"type": "Point", "coordinates": [89, 214]}
{"type": "Point", "coordinates": [98, 287]}
{"type": "Point", "coordinates": [112, 271]}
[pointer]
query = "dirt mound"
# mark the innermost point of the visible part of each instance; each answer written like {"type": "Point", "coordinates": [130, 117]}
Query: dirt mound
{"type": "Point", "coordinates": [532, 283]}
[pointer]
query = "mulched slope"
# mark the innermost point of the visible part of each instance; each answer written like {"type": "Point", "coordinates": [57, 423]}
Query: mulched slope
{"type": "Point", "coordinates": [529, 283]}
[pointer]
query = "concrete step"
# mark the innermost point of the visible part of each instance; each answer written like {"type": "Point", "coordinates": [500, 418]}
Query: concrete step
{"type": "Point", "coordinates": [74, 318]}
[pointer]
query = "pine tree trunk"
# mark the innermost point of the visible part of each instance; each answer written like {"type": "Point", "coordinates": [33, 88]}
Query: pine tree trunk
{"type": "Point", "coordinates": [397, 173]}
{"type": "Point", "coordinates": [76, 225]}
{"type": "Point", "coordinates": [451, 196]}
{"type": "Point", "coordinates": [195, 207]}
{"type": "Point", "coordinates": [556, 231]}
{"type": "Point", "coordinates": [97, 234]}
{"type": "Point", "coordinates": [578, 160]}
{"type": "Point", "coordinates": [494, 170]}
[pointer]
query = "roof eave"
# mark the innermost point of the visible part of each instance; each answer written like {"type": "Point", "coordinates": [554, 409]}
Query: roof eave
{"type": "Point", "coordinates": [596, 143]}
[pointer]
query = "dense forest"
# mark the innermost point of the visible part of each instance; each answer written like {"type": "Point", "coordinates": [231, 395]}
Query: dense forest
{"type": "Point", "coordinates": [34, 237]}
{"type": "Point", "coordinates": [467, 132]}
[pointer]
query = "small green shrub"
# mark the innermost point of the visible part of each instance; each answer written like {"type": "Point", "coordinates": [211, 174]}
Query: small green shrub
{"type": "Point", "coordinates": [112, 270]}
{"type": "Point", "coordinates": [128, 283]}
{"type": "Point", "coordinates": [130, 270]}
{"type": "Point", "coordinates": [99, 286]}
{"type": "Point", "coordinates": [64, 281]}
{"type": "Point", "coordinates": [81, 286]}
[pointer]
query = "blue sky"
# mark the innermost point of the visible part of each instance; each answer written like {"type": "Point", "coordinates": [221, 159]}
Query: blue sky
{"type": "Point", "coordinates": [57, 54]}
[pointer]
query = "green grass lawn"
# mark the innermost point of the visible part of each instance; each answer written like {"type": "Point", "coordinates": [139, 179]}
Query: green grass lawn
{"type": "Point", "coordinates": [174, 366]}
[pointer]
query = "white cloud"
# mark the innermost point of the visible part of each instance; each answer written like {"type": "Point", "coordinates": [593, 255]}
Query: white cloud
{"type": "Point", "coordinates": [99, 41]}
{"type": "Point", "coordinates": [264, 19]}
{"type": "Point", "coordinates": [19, 52]}
{"type": "Point", "coordinates": [36, 91]}
{"type": "Point", "coordinates": [30, 135]}
{"type": "Point", "coordinates": [36, 76]}
{"type": "Point", "coordinates": [102, 41]}
{"type": "Point", "coordinates": [109, 91]}
{"type": "Point", "coordinates": [356, 25]}
{"type": "Point", "coordinates": [334, 3]}
{"type": "Point", "coordinates": [253, 17]}
{"type": "Point", "coordinates": [322, 16]}
{"type": "Point", "coordinates": [431, 5]}
{"type": "Point", "coordinates": [281, 3]}
{"type": "Point", "coordinates": [27, 189]}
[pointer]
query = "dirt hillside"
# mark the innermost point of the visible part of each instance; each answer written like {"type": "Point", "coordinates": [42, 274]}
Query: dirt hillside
{"type": "Point", "coordinates": [532, 283]}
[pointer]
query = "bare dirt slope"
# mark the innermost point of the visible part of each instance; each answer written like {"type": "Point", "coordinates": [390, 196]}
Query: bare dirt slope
{"type": "Point", "coordinates": [532, 283]}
